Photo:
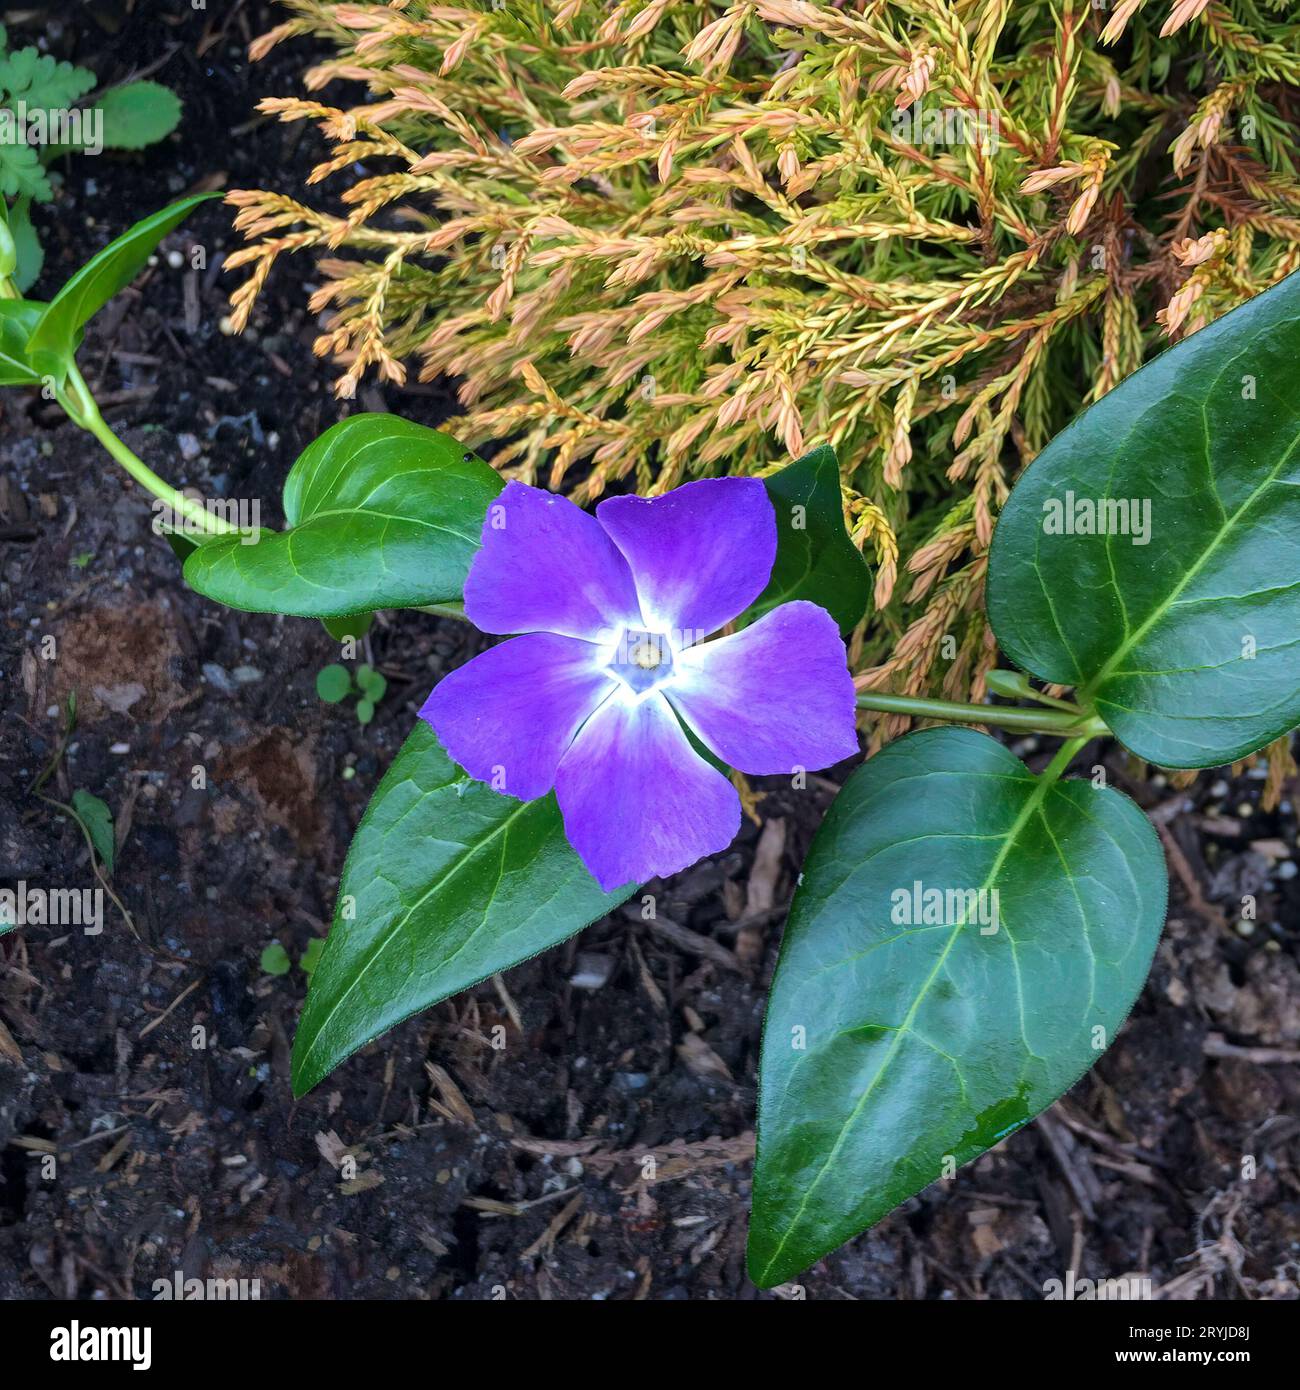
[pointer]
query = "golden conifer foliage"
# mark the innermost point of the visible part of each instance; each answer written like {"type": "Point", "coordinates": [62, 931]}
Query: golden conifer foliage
{"type": "Point", "coordinates": [662, 238]}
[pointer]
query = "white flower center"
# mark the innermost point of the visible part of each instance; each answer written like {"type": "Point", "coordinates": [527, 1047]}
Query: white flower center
{"type": "Point", "coordinates": [642, 659]}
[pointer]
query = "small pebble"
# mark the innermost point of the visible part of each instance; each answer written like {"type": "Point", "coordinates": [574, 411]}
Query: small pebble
{"type": "Point", "coordinates": [217, 676]}
{"type": "Point", "coordinates": [175, 259]}
{"type": "Point", "coordinates": [1287, 869]}
{"type": "Point", "coordinates": [246, 675]}
{"type": "Point", "coordinates": [592, 971]}
{"type": "Point", "coordinates": [190, 447]}
{"type": "Point", "coordinates": [120, 748]}
{"type": "Point", "coordinates": [1245, 810]}
{"type": "Point", "coordinates": [1245, 928]}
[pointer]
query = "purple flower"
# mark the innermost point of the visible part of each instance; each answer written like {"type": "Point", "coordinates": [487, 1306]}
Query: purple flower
{"type": "Point", "coordinates": [592, 699]}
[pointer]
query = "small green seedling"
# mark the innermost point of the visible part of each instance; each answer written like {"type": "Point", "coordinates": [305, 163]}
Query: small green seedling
{"type": "Point", "coordinates": [334, 684]}
{"type": "Point", "coordinates": [274, 960]}
{"type": "Point", "coordinates": [57, 109]}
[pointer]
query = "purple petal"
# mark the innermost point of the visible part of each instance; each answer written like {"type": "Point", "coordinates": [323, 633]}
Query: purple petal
{"type": "Point", "coordinates": [638, 801]}
{"type": "Point", "coordinates": [508, 716]}
{"type": "Point", "coordinates": [548, 566]}
{"type": "Point", "coordinates": [700, 554]}
{"type": "Point", "coordinates": [773, 698]}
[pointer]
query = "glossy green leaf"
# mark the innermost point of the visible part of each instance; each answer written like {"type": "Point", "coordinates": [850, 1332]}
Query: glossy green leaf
{"type": "Point", "coordinates": [95, 815]}
{"type": "Point", "coordinates": [138, 114]}
{"type": "Point", "coordinates": [55, 337]}
{"type": "Point", "coordinates": [903, 1036]}
{"type": "Point", "coordinates": [17, 319]}
{"type": "Point", "coordinates": [1181, 623]}
{"type": "Point", "coordinates": [815, 559]}
{"type": "Point", "coordinates": [382, 513]}
{"type": "Point", "coordinates": [446, 882]}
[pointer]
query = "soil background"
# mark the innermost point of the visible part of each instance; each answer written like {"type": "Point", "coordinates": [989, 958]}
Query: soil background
{"type": "Point", "coordinates": [434, 1165]}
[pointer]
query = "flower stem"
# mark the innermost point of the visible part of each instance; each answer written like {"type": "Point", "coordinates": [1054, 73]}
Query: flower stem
{"type": "Point", "coordinates": [76, 399]}
{"type": "Point", "coordinates": [1059, 723]}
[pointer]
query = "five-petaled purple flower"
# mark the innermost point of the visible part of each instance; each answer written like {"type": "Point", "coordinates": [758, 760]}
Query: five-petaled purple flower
{"type": "Point", "coordinates": [592, 699]}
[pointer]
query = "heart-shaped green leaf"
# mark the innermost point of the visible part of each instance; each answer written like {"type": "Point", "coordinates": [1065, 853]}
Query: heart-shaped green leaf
{"type": "Point", "coordinates": [1150, 555]}
{"type": "Point", "coordinates": [446, 882]}
{"type": "Point", "coordinates": [815, 559]}
{"type": "Point", "coordinates": [382, 513]}
{"type": "Point", "coordinates": [17, 319]}
{"type": "Point", "coordinates": [54, 339]}
{"type": "Point", "coordinates": [905, 1035]}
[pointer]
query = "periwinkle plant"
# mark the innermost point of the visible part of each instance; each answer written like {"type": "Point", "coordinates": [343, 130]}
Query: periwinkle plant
{"type": "Point", "coordinates": [967, 936]}
{"type": "Point", "coordinates": [613, 673]}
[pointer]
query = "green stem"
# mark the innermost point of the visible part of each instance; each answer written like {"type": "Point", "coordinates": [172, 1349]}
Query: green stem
{"type": "Point", "coordinates": [76, 399]}
{"type": "Point", "coordinates": [1059, 723]}
{"type": "Point", "coordinates": [1064, 757]}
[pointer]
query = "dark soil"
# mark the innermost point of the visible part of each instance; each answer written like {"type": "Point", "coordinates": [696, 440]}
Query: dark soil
{"type": "Point", "coordinates": [151, 1061]}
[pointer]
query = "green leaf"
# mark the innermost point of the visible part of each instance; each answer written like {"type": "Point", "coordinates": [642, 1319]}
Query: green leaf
{"type": "Point", "coordinates": [925, 1042]}
{"type": "Point", "coordinates": [446, 882]}
{"type": "Point", "coordinates": [22, 175]}
{"type": "Point", "coordinates": [42, 82]}
{"type": "Point", "coordinates": [17, 319]}
{"type": "Point", "coordinates": [43, 85]}
{"type": "Point", "coordinates": [31, 255]}
{"type": "Point", "coordinates": [55, 337]}
{"type": "Point", "coordinates": [354, 625]}
{"type": "Point", "coordinates": [98, 821]}
{"type": "Point", "coordinates": [374, 684]}
{"type": "Point", "coordinates": [138, 114]}
{"type": "Point", "coordinates": [383, 513]}
{"type": "Point", "coordinates": [311, 956]}
{"type": "Point", "coordinates": [1187, 643]}
{"type": "Point", "coordinates": [333, 683]}
{"type": "Point", "coordinates": [274, 960]}
{"type": "Point", "coordinates": [8, 255]}
{"type": "Point", "coordinates": [365, 711]}
{"type": "Point", "coordinates": [815, 559]}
